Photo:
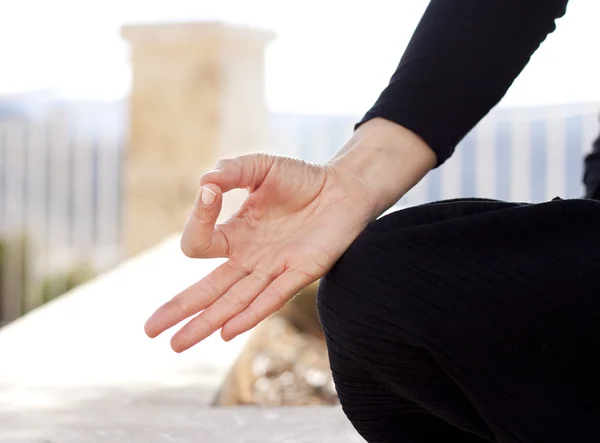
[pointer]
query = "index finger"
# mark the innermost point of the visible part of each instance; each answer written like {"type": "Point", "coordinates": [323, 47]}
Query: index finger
{"type": "Point", "coordinates": [193, 299]}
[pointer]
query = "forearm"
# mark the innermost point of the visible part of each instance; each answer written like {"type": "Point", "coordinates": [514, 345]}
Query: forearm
{"type": "Point", "coordinates": [386, 158]}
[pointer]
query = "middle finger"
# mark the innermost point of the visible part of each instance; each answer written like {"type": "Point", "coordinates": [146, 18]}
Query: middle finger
{"type": "Point", "coordinates": [234, 301]}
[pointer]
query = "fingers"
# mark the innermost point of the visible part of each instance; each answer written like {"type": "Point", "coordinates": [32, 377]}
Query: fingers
{"type": "Point", "coordinates": [246, 171]}
{"type": "Point", "coordinates": [200, 238]}
{"type": "Point", "coordinates": [271, 300]}
{"type": "Point", "coordinates": [234, 301]}
{"type": "Point", "coordinates": [193, 299]}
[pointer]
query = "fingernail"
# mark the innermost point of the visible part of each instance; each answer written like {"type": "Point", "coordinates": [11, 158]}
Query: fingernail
{"type": "Point", "coordinates": [208, 196]}
{"type": "Point", "coordinates": [213, 171]}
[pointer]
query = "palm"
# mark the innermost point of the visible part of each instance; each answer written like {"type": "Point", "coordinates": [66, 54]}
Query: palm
{"type": "Point", "coordinates": [288, 219]}
{"type": "Point", "coordinates": [296, 222]}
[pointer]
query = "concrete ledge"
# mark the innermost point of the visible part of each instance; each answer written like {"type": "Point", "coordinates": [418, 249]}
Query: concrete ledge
{"type": "Point", "coordinates": [181, 424]}
{"type": "Point", "coordinates": [80, 369]}
{"type": "Point", "coordinates": [89, 345]}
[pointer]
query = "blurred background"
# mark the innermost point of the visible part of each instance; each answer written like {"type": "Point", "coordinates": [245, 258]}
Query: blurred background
{"type": "Point", "coordinates": [110, 111]}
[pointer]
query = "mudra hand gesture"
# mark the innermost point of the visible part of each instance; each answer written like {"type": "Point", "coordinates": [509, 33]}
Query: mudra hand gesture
{"type": "Point", "coordinates": [297, 220]}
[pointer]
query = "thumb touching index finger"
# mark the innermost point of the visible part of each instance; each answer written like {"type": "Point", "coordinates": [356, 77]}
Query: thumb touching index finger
{"type": "Point", "coordinates": [245, 171]}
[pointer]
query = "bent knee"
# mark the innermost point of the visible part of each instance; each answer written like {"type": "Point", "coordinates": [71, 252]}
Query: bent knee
{"type": "Point", "coordinates": [351, 297]}
{"type": "Point", "coordinates": [377, 289]}
{"type": "Point", "coordinates": [339, 290]}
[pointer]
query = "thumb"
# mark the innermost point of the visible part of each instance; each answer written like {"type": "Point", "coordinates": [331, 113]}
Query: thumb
{"type": "Point", "coordinates": [245, 171]}
{"type": "Point", "coordinates": [200, 238]}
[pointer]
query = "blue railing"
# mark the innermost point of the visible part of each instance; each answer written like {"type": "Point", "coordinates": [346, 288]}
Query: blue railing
{"type": "Point", "coordinates": [523, 154]}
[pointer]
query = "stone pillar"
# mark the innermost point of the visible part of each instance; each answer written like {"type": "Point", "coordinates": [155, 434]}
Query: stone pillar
{"type": "Point", "coordinates": [197, 96]}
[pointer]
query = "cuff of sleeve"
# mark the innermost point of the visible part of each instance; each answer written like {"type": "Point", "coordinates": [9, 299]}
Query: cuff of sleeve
{"type": "Point", "coordinates": [443, 150]}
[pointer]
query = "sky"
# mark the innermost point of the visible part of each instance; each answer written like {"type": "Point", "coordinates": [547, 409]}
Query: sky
{"type": "Point", "coordinates": [329, 56]}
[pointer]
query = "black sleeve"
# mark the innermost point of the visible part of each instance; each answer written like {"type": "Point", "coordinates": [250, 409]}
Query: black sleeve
{"type": "Point", "coordinates": [461, 60]}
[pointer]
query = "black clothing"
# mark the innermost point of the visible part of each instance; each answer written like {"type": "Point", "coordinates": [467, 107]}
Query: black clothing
{"type": "Point", "coordinates": [470, 321]}
{"type": "Point", "coordinates": [591, 177]}
{"type": "Point", "coordinates": [460, 62]}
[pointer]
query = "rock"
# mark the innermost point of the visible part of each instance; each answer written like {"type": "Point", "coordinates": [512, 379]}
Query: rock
{"type": "Point", "coordinates": [280, 366]}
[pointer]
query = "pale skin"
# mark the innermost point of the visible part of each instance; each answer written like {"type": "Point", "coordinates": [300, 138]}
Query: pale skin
{"type": "Point", "coordinates": [297, 221]}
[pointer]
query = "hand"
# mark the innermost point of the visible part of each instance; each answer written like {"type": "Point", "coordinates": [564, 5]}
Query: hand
{"type": "Point", "coordinates": [298, 219]}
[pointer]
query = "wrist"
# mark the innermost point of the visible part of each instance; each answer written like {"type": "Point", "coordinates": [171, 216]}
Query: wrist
{"type": "Point", "coordinates": [386, 158]}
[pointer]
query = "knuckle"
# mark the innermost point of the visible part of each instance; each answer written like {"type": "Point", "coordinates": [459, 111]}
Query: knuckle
{"type": "Point", "coordinates": [265, 161]}
{"type": "Point", "coordinates": [240, 268]}
{"type": "Point", "coordinates": [235, 300]}
{"type": "Point", "coordinates": [201, 216]}
{"type": "Point", "coordinates": [230, 164]}
{"type": "Point", "coordinates": [209, 288]}
{"type": "Point", "coordinates": [263, 278]}
{"type": "Point", "coordinates": [222, 163]}
{"type": "Point", "coordinates": [276, 296]}
{"type": "Point", "coordinates": [194, 246]}
{"type": "Point", "coordinates": [208, 324]}
{"type": "Point", "coordinates": [188, 250]}
{"type": "Point", "coordinates": [255, 318]}
{"type": "Point", "coordinates": [181, 306]}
